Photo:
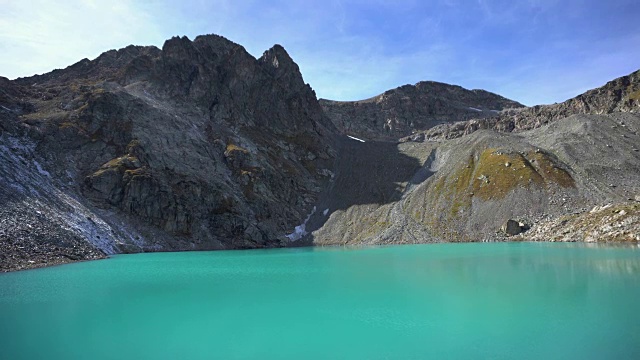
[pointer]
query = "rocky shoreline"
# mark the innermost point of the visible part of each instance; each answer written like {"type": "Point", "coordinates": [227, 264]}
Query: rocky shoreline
{"type": "Point", "coordinates": [27, 242]}
{"type": "Point", "coordinates": [611, 224]}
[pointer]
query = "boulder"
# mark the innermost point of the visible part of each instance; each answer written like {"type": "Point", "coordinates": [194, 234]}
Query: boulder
{"type": "Point", "coordinates": [511, 227]}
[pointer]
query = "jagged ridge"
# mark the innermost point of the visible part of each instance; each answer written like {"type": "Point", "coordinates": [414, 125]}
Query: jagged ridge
{"type": "Point", "coordinates": [197, 145]}
{"type": "Point", "coordinates": [619, 95]}
{"type": "Point", "coordinates": [399, 112]}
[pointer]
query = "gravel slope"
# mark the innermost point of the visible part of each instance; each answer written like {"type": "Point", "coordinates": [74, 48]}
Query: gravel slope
{"type": "Point", "coordinates": [467, 188]}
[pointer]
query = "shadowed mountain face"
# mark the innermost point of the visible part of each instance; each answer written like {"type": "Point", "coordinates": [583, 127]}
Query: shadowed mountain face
{"type": "Point", "coordinates": [399, 112]}
{"type": "Point", "coordinates": [197, 145]}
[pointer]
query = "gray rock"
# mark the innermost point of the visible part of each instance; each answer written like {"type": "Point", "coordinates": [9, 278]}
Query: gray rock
{"type": "Point", "coordinates": [199, 145]}
{"type": "Point", "coordinates": [619, 95]}
{"type": "Point", "coordinates": [399, 112]}
{"type": "Point", "coordinates": [179, 142]}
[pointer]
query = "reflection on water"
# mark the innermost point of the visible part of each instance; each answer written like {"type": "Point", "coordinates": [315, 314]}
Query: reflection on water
{"type": "Point", "coordinates": [620, 266]}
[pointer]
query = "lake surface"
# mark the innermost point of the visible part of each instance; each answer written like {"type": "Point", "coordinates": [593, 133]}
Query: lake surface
{"type": "Point", "coordinates": [465, 301]}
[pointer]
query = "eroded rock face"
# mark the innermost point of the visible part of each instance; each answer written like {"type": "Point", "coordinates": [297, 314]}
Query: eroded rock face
{"type": "Point", "coordinates": [619, 95]}
{"type": "Point", "coordinates": [198, 140]}
{"type": "Point", "coordinates": [399, 112]}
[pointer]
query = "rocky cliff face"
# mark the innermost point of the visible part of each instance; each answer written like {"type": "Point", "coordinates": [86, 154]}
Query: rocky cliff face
{"type": "Point", "coordinates": [619, 95]}
{"type": "Point", "coordinates": [399, 112]}
{"type": "Point", "coordinates": [197, 145]}
{"type": "Point", "coordinates": [545, 167]}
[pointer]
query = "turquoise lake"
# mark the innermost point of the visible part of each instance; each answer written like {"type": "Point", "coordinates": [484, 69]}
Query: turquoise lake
{"type": "Point", "coordinates": [442, 301]}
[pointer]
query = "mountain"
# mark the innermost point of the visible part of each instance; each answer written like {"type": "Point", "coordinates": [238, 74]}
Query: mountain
{"type": "Point", "coordinates": [466, 189]}
{"type": "Point", "coordinates": [197, 145]}
{"type": "Point", "coordinates": [557, 169]}
{"type": "Point", "coordinates": [399, 112]}
{"type": "Point", "coordinates": [619, 95]}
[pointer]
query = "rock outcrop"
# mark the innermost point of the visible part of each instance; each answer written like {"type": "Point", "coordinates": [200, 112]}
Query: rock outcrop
{"type": "Point", "coordinates": [400, 112]}
{"type": "Point", "coordinates": [610, 223]}
{"type": "Point", "coordinates": [619, 95]}
{"type": "Point", "coordinates": [511, 227]}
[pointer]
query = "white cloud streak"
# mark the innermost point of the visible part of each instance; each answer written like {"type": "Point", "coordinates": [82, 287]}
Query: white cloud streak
{"type": "Point", "coordinates": [38, 36]}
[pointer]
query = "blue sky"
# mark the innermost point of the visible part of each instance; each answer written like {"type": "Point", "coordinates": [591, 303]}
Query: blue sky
{"type": "Point", "coordinates": [532, 51]}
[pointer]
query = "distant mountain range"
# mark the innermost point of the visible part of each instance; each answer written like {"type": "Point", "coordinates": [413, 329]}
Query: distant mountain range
{"type": "Point", "coordinates": [199, 145]}
{"type": "Point", "coordinates": [399, 112]}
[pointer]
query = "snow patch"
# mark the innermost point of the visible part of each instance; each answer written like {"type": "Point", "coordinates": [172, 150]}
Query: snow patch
{"type": "Point", "coordinates": [325, 212]}
{"type": "Point", "coordinates": [6, 108]}
{"type": "Point", "coordinates": [355, 138]}
{"type": "Point", "coordinates": [474, 109]}
{"type": "Point", "coordinates": [300, 231]}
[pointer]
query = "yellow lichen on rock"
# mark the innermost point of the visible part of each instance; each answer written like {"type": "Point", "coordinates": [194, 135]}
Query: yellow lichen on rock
{"type": "Point", "coordinates": [231, 148]}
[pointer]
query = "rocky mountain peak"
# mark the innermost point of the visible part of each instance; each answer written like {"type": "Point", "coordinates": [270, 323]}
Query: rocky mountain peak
{"type": "Point", "coordinates": [277, 62]}
{"type": "Point", "coordinates": [401, 111]}
{"type": "Point", "coordinates": [178, 46]}
{"type": "Point", "coordinates": [278, 58]}
{"type": "Point", "coordinates": [197, 145]}
{"type": "Point", "coordinates": [619, 95]}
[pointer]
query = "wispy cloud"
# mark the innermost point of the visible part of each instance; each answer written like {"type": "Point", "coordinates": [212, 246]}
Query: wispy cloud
{"type": "Point", "coordinates": [38, 36]}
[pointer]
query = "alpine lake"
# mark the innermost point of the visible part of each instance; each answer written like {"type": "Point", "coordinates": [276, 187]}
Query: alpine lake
{"type": "Point", "coordinates": [440, 301]}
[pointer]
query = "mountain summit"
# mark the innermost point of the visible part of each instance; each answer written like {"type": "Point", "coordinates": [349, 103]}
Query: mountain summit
{"type": "Point", "coordinates": [399, 112]}
{"type": "Point", "coordinates": [197, 145]}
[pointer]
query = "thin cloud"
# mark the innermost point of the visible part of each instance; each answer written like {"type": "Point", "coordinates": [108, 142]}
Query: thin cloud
{"type": "Point", "coordinates": [39, 36]}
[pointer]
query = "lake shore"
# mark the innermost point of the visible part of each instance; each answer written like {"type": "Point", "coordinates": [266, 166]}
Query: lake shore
{"type": "Point", "coordinates": [608, 224]}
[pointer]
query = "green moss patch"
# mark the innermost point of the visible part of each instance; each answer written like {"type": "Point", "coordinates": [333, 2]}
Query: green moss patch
{"type": "Point", "coordinates": [498, 173]}
{"type": "Point", "coordinates": [551, 173]}
{"type": "Point", "coordinates": [488, 175]}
